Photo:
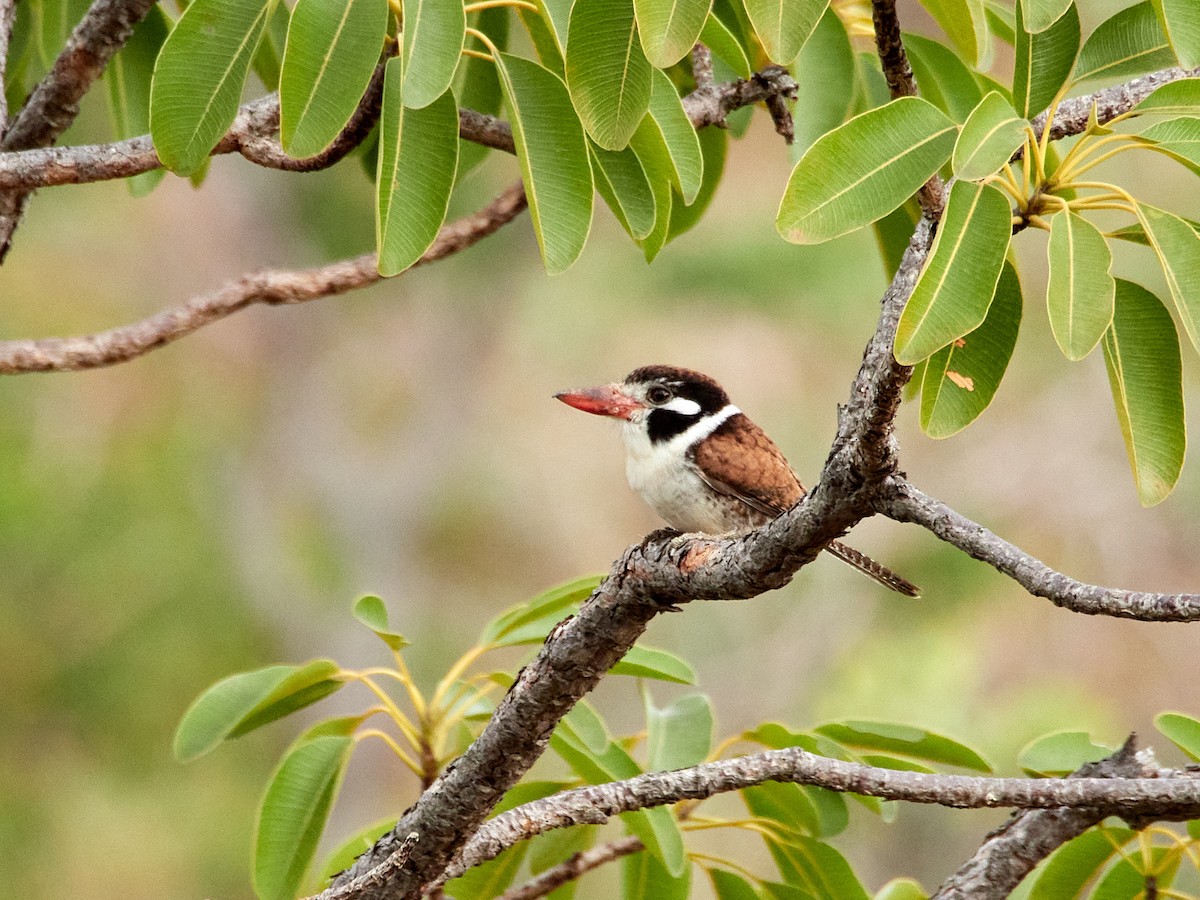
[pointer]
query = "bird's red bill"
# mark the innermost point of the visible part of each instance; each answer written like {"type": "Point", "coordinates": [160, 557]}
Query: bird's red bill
{"type": "Point", "coordinates": [607, 400]}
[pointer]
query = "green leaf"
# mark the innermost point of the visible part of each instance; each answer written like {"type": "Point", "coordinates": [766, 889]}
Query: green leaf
{"type": "Point", "coordinates": [817, 868]}
{"type": "Point", "coordinates": [583, 727]}
{"type": "Point", "coordinates": [1080, 291]}
{"type": "Point", "coordinates": [945, 80]}
{"type": "Point", "coordinates": [1179, 138]}
{"type": "Point", "coordinates": [647, 662]}
{"type": "Point", "coordinates": [863, 170]}
{"type": "Point", "coordinates": [268, 58]}
{"type": "Point", "coordinates": [1126, 880]}
{"type": "Point", "coordinates": [643, 877]}
{"type": "Point", "coordinates": [128, 77]}
{"type": "Point", "coordinates": [731, 886]}
{"type": "Point", "coordinates": [294, 811]}
{"type": "Point", "coordinates": [1181, 97]}
{"type": "Point", "coordinates": [240, 703]}
{"type": "Point", "coordinates": [678, 735]}
{"type": "Point", "coordinates": [434, 34]}
{"type": "Point", "coordinates": [490, 879]}
{"type": "Point", "coordinates": [667, 124]}
{"type": "Point", "coordinates": [1060, 754]}
{"type": "Point", "coordinates": [784, 25]}
{"type": "Point", "coordinates": [1181, 730]}
{"type": "Point", "coordinates": [1181, 21]}
{"type": "Point", "coordinates": [905, 740]}
{"type": "Point", "coordinates": [607, 73]}
{"type": "Point", "coordinates": [1129, 43]}
{"type": "Point", "coordinates": [1136, 234]}
{"type": "Point", "coordinates": [725, 46]}
{"type": "Point", "coordinates": [1073, 865]}
{"type": "Point", "coordinates": [989, 138]}
{"type": "Point", "coordinates": [541, 613]}
{"type": "Point", "coordinates": [622, 182]}
{"type": "Point", "coordinates": [1177, 247]}
{"type": "Point", "coordinates": [199, 77]}
{"type": "Point", "coordinates": [1044, 61]}
{"type": "Point", "coordinates": [1041, 14]}
{"type": "Point", "coordinates": [965, 23]}
{"type": "Point", "coordinates": [418, 156]}
{"type": "Point", "coordinates": [371, 611]}
{"type": "Point", "coordinates": [1141, 351]}
{"type": "Point", "coordinates": [659, 831]}
{"type": "Point", "coordinates": [352, 848]}
{"type": "Point", "coordinates": [714, 143]}
{"type": "Point", "coordinates": [670, 28]}
{"type": "Point", "coordinates": [652, 154]}
{"type": "Point", "coordinates": [827, 59]}
{"type": "Point", "coordinates": [961, 379]}
{"type": "Point", "coordinates": [901, 889]}
{"type": "Point", "coordinates": [786, 805]}
{"type": "Point", "coordinates": [955, 289]}
{"type": "Point", "coordinates": [554, 159]}
{"type": "Point", "coordinates": [332, 49]}
{"type": "Point", "coordinates": [55, 20]}
{"type": "Point", "coordinates": [476, 84]}
{"type": "Point", "coordinates": [553, 847]}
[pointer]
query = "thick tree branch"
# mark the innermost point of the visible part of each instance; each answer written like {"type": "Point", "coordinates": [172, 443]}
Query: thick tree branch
{"type": "Point", "coordinates": [54, 103]}
{"type": "Point", "coordinates": [1150, 793]}
{"type": "Point", "coordinates": [1013, 850]}
{"type": "Point", "coordinates": [272, 287]}
{"type": "Point", "coordinates": [575, 867]}
{"type": "Point", "coordinates": [905, 503]}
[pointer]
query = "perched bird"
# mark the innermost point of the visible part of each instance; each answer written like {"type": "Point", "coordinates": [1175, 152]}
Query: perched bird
{"type": "Point", "coordinates": [700, 463]}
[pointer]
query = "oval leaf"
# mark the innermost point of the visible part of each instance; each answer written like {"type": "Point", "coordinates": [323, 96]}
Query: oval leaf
{"type": "Point", "coordinates": [989, 138]}
{"type": "Point", "coordinates": [1183, 731]}
{"type": "Point", "coordinates": [1130, 43]}
{"type": "Point", "coordinates": [1044, 61]}
{"type": "Point", "coordinates": [904, 739]}
{"type": "Point", "coordinates": [643, 876]}
{"type": "Point", "coordinates": [1080, 290]}
{"type": "Point", "coordinates": [961, 379]}
{"type": "Point", "coordinates": [679, 735]}
{"type": "Point", "coordinates": [418, 156]}
{"type": "Point", "coordinates": [827, 59]}
{"type": "Point", "coordinates": [1181, 20]}
{"type": "Point", "coordinates": [554, 159]}
{"type": "Point", "coordinates": [199, 77]}
{"type": "Point", "coordinates": [293, 813]}
{"type": "Point", "coordinates": [243, 702]}
{"type": "Point", "coordinates": [607, 73]}
{"type": "Point", "coordinates": [370, 610]}
{"type": "Point", "coordinates": [863, 170]}
{"type": "Point", "coordinates": [647, 662]}
{"type": "Point", "coordinates": [1180, 97]}
{"type": "Point", "coordinates": [1041, 14]}
{"type": "Point", "coordinates": [669, 28]}
{"type": "Point", "coordinates": [1141, 351]}
{"type": "Point", "coordinates": [669, 126]}
{"type": "Point", "coordinates": [945, 80]}
{"type": "Point", "coordinates": [952, 295]}
{"type": "Point", "coordinates": [434, 34]}
{"type": "Point", "coordinates": [784, 25]}
{"type": "Point", "coordinates": [1177, 247]}
{"type": "Point", "coordinates": [729, 886]}
{"type": "Point", "coordinates": [543, 611]}
{"type": "Point", "coordinates": [332, 49]}
{"type": "Point", "coordinates": [1060, 754]}
{"type": "Point", "coordinates": [622, 182]}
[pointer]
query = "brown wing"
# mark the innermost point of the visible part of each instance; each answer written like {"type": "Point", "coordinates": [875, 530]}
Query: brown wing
{"type": "Point", "coordinates": [739, 459]}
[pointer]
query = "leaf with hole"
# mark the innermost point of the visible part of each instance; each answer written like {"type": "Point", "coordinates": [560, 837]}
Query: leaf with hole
{"type": "Point", "coordinates": [1080, 290]}
{"type": "Point", "coordinates": [955, 289]}
{"type": "Point", "coordinates": [863, 170]}
{"type": "Point", "coordinates": [1141, 352]}
{"type": "Point", "coordinates": [199, 77]}
{"type": "Point", "coordinates": [961, 379]}
{"type": "Point", "coordinates": [332, 49]}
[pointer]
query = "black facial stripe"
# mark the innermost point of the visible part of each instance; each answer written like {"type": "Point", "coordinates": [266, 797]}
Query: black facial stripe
{"type": "Point", "coordinates": [664, 424]}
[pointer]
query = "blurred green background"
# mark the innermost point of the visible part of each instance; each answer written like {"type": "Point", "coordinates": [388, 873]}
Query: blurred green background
{"type": "Point", "coordinates": [218, 505]}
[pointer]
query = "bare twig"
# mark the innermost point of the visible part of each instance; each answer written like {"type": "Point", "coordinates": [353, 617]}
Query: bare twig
{"type": "Point", "coordinates": [54, 103]}
{"type": "Point", "coordinates": [7, 11]}
{"type": "Point", "coordinates": [375, 877]}
{"type": "Point", "coordinates": [575, 867]}
{"type": "Point", "coordinates": [905, 503]}
{"type": "Point", "coordinates": [1011, 851]}
{"type": "Point", "coordinates": [1163, 794]}
{"type": "Point", "coordinates": [270, 287]}
{"type": "Point", "coordinates": [702, 66]}
{"type": "Point", "coordinates": [711, 104]}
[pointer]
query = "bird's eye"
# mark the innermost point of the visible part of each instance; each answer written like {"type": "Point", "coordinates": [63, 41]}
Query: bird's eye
{"type": "Point", "coordinates": [658, 395]}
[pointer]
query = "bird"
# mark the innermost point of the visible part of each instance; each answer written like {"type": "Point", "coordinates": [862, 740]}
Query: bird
{"type": "Point", "coordinates": [700, 462]}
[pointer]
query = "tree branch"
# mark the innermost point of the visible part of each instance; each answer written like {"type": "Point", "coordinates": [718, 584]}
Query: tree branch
{"type": "Point", "coordinates": [1151, 793]}
{"type": "Point", "coordinates": [1071, 117]}
{"type": "Point", "coordinates": [272, 287]}
{"type": "Point", "coordinates": [54, 103]}
{"type": "Point", "coordinates": [7, 11]}
{"type": "Point", "coordinates": [1013, 850]}
{"type": "Point", "coordinates": [905, 503]}
{"type": "Point", "coordinates": [575, 867]}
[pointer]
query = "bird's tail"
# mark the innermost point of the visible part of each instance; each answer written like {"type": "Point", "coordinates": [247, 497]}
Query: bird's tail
{"type": "Point", "coordinates": [873, 570]}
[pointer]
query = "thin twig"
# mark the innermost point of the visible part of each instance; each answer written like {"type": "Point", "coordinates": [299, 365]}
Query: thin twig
{"type": "Point", "coordinates": [376, 877]}
{"type": "Point", "coordinates": [702, 66]}
{"type": "Point", "coordinates": [575, 867]}
{"type": "Point", "coordinates": [272, 287]}
{"type": "Point", "coordinates": [7, 12]}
